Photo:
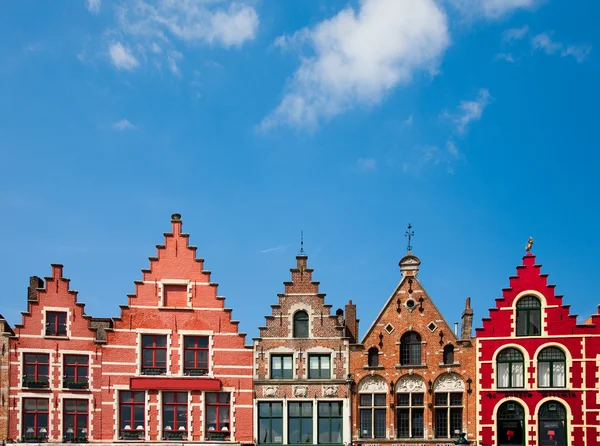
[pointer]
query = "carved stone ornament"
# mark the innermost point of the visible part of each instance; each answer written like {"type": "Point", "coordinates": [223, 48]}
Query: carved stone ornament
{"type": "Point", "coordinates": [270, 391]}
{"type": "Point", "coordinates": [330, 391]}
{"type": "Point", "coordinates": [410, 384]}
{"type": "Point", "coordinates": [301, 391]}
{"type": "Point", "coordinates": [449, 382]}
{"type": "Point", "coordinates": [372, 384]}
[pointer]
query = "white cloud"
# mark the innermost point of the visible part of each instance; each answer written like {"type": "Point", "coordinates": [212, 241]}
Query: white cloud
{"type": "Point", "coordinates": [469, 111]}
{"type": "Point", "coordinates": [545, 43]}
{"type": "Point", "coordinates": [359, 57]}
{"type": "Point", "coordinates": [93, 6]}
{"type": "Point", "coordinates": [123, 124]}
{"type": "Point", "coordinates": [172, 59]}
{"type": "Point", "coordinates": [514, 34]}
{"type": "Point", "coordinates": [366, 164]}
{"type": "Point", "coordinates": [492, 9]}
{"type": "Point", "coordinates": [122, 58]}
{"type": "Point", "coordinates": [505, 56]}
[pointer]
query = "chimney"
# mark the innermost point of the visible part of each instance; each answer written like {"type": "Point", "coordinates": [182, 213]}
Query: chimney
{"type": "Point", "coordinates": [176, 224]}
{"type": "Point", "coordinates": [351, 323]}
{"type": "Point", "coordinates": [467, 321]}
{"type": "Point", "coordinates": [34, 283]}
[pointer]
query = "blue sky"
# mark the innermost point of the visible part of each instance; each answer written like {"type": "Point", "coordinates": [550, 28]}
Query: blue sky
{"type": "Point", "coordinates": [472, 119]}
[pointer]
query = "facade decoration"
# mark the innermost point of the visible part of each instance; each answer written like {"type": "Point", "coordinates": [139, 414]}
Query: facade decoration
{"type": "Point", "coordinates": [538, 380]}
{"type": "Point", "coordinates": [302, 356]}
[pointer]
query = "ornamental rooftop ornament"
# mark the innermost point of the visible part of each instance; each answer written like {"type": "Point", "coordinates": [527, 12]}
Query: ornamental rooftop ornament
{"type": "Point", "coordinates": [529, 244]}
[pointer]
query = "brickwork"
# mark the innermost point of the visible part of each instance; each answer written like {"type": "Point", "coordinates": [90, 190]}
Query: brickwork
{"type": "Point", "coordinates": [5, 333]}
{"type": "Point", "coordinates": [403, 381]}
{"type": "Point", "coordinates": [326, 336]}
{"type": "Point", "coordinates": [575, 380]}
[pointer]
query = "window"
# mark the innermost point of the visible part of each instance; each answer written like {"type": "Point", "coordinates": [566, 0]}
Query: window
{"type": "Point", "coordinates": [75, 420]}
{"type": "Point", "coordinates": [529, 320]}
{"type": "Point", "coordinates": [449, 354]}
{"type": "Point", "coordinates": [330, 422]}
{"type": "Point", "coordinates": [448, 415]}
{"type": "Point", "coordinates": [410, 349]}
{"type": "Point", "coordinates": [281, 366]}
{"type": "Point", "coordinates": [195, 353]}
{"type": "Point", "coordinates": [551, 367]}
{"type": "Point", "coordinates": [319, 366]}
{"type": "Point", "coordinates": [35, 419]}
{"type": "Point", "coordinates": [217, 416]}
{"type": "Point", "coordinates": [56, 323]}
{"type": "Point", "coordinates": [510, 368]}
{"type": "Point", "coordinates": [36, 367]}
{"type": "Point", "coordinates": [301, 324]}
{"type": "Point", "coordinates": [373, 357]}
{"type": "Point", "coordinates": [372, 415]}
{"type": "Point", "coordinates": [75, 371]}
{"type": "Point", "coordinates": [175, 415]}
{"type": "Point", "coordinates": [154, 354]}
{"type": "Point", "coordinates": [270, 423]}
{"type": "Point", "coordinates": [410, 408]}
{"type": "Point", "coordinates": [511, 421]}
{"type": "Point", "coordinates": [132, 425]}
{"type": "Point", "coordinates": [300, 423]}
{"type": "Point", "coordinates": [552, 419]}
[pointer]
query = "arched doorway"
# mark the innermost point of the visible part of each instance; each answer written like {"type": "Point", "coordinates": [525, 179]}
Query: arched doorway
{"type": "Point", "coordinates": [511, 424]}
{"type": "Point", "coordinates": [552, 424]}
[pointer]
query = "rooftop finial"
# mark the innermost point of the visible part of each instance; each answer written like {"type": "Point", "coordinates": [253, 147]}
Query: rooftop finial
{"type": "Point", "coordinates": [529, 244]}
{"type": "Point", "coordinates": [301, 242]}
{"type": "Point", "coordinates": [176, 217]}
{"type": "Point", "coordinates": [409, 234]}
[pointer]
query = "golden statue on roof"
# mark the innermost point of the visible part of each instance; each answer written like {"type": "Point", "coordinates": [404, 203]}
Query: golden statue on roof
{"type": "Point", "coordinates": [529, 244]}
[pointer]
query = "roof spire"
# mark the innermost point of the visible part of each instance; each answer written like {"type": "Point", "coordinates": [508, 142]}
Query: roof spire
{"type": "Point", "coordinates": [409, 234]}
{"type": "Point", "coordinates": [302, 242]}
{"type": "Point", "coordinates": [529, 245]}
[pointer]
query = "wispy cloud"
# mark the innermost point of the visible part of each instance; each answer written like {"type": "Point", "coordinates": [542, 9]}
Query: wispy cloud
{"type": "Point", "coordinates": [468, 111]}
{"type": "Point", "coordinates": [446, 156]}
{"type": "Point", "coordinates": [366, 164]}
{"type": "Point", "coordinates": [505, 57]}
{"type": "Point", "coordinates": [514, 34]}
{"type": "Point", "coordinates": [544, 42]}
{"type": "Point", "coordinates": [492, 9]}
{"type": "Point", "coordinates": [121, 57]}
{"type": "Point", "coordinates": [123, 124]}
{"type": "Point", "coordinates": [359, 57]}
{"type": "Point", "coordinates": [275, 249]}
{"type": "Point", "coordinates": [94, 6]}
{"type": "Point", "coordinates": [408, 121]}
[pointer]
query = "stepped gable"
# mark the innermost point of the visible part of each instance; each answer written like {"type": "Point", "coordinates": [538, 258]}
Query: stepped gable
{"type": "Point", "coordinates": [530, 280]}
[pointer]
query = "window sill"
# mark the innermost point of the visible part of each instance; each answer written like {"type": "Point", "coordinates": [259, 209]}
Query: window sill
{"type": "Point", "coordinates": [48, 336]}
{"type": "Point", "coordinates": [420, 366]}
{"type": "Point", "coordinates": [373, 367]}
{"type": "Point", "coordinates": [454, 364]}
{"type": "Point", "coordinates": [176, 308]}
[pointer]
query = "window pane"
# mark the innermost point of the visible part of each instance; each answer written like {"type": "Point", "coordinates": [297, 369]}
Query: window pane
{"type": "Point", "coordinates": [502, 375]}
{"type": "Point", "coordinates": [161, 341]}
{"type": "Point", "coordinates": [544, 374]}
{"type": "Point", "coordinates": [294, 430]}
{"type": "Point", "coordinates": [417, 399]}
{"type": "Point", "coordinates": [441, 399]}
{"type": "Point", "coordinates": [380, 400]}
{"type": "Point", "coordinates": [417, 423]}
{"type": "Point", "coordinates": [517, 371]}
{"type": "Point", "coordinates": [380, 426]}
{"type": "Point", "coordinates": [365, 423]}
{"type": "Point", "coordinates": [366, 399]}
{"type": "Point", "coordinates": [558, 376]}
{"type": "Point", "coordinates": [535, 322]}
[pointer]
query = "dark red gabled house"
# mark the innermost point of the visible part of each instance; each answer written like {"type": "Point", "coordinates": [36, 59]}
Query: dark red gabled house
{"type": "Point", "coordinates": [538, 370]}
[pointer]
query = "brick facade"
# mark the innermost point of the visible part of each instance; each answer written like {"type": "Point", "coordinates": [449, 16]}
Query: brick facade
{"type": "Point", "coordinates": [538, 380]}
{"type": "Point", "coordinates": [415, 378]}
{"type": "Point", "coordinates": [5, 333]}
{"type": "Point", "coordinates": [301, 365]}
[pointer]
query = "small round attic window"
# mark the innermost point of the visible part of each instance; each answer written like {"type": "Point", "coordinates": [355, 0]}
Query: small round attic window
{"type": "Point", "coordinates": [410, 304]}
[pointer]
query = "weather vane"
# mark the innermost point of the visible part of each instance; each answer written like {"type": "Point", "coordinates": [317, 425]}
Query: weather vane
{"type": "Point", "coordinates": [529, 244]}
{"type": "Point", "coordinates": [409, 234]}
{"type": "Point", "coordinates": [302, 242]}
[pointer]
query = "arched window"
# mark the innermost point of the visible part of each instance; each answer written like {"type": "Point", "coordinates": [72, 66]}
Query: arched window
{"type": "Point", "coordinates": [301, 324]}
{"type": "Point", "coordinates": [510, 368]}
{"type": "Point", "coordinates": [373, 357]}
{"type": "Point", "coordinates": [511, 422]}
{"type": "Point", "coordinates": [552, 424]}
{"type": "Point", "coordinates": [410, 348]}
{"type": "Point", "coordinates": [551, 368]}
{"type": "Point", "coordinates": [449, 354]}
{"type": "Point", "coordinates": [529, 316]}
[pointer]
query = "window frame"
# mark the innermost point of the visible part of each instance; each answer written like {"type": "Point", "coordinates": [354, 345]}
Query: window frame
{"type": "Point", "coordinates": [80, 380]}
{"type": "Point", "coordinates": [412, 409]}
{"type": "Point", "coordinates": [373, 357]}
{"type": "Point", "coordinates": [301, 317]}
{"type": "Point", "coordinates": [154, 369]}
{"type": "Point", "coordinates": [300, 417]}
{"type": "Point", "coordinates": [551, 363]}
{"type": "Point", "coordinates": [36, 413]}
{"type": "Point", "coordinates": [80, 405]}
{"type": "Point", "coordinates": [175, 432]}
{"type": "Point", "coordinates": [39, 380]}
{"type": "Point", "coordinates": [330, 416]}
{"type": "Point", "coordinates": [543, 415]}
{"type": "Point", "coordinates": [270, 417]}
{"type": "Point", "coordinates": [280, 357]}
{"type": "Point", "coordinates": [524, 309]}
{"type": "Point", "coordinates": [448, 354]}
{"type": "Point", "coordinates": [511, 363]}
{"type": "Point", "coordinates": [133, 433]}
{"type": "Point", "coordinates": [53, 328]}
{"type": "Point", "coordinates": [320, 370]}
{"type": "Point", "coordinates": [211, 434]}
{"type": "Point", "coordinates": [374, 412]}
{"type": "Point", "coordinates": [408, 356]}
{"type": "Point", "coordinates": [200, 368]}
{"type": "Point", "coordinates": [449, 408]}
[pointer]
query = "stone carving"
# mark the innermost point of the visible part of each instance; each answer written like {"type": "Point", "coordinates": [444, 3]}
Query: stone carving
{"type": "Point", "coordinates": [372, 384]}
{"type": "Point", "coordinates": [270, 391]}
{"type": "Point", "coordinates": [330, 391]}
{"type": "Point", "coordinates": [301, 391]}
{"type": "Point", "coordinates": [449, 382]}
{"type": "Point", "coordinates": [410, 384]}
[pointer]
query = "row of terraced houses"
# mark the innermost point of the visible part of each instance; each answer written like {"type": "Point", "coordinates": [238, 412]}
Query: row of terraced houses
{"type": "Point", "coordinates": [173, 367]}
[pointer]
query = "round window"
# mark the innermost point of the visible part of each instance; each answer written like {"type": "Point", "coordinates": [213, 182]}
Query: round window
{"type": "Point", "coordinates": [410, 303]}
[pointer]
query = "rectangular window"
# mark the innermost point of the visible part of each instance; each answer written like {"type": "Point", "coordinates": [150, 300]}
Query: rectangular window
{"type": "Point", "coordinates": [195, 355]}
{"type": "Point", "coordinates": [319, 366]}
{"type": "Point", "coordinates": [410, 415]}
{"type": "Point", "coordinates": [330, 422]}
{"type": "Point", "coordinates": [75, 420]}
{"type": "Point", "coordinates": [75, 371]}
{"type": "Point", "coordinates": [175, 412]}
{"type": "Point", "coordinates": [448, 415]}
{"type": "Point", "coordinates": [35, 419]}
{"type": "Point", "coordinates": [56, 323]}
{"type": "Point", "coordinates": [300, 423]}
{"type": "Point", "coordinates": [281, 367]}
{"type": "Point", "coordinates": [218, 425]}
{"type": "Point", "coordinates": [132, 423]}
{"type": "Point", "coordinates": [154, 354]}
{"type": "Point", "coordinates": [36, 368]}
{"type": "Point", "coordinates": [270, 423]}
{"type": "Point", "coordinates": [372, 415]}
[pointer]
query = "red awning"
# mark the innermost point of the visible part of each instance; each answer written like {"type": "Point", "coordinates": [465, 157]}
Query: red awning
{"type": "Point", "coordinates": [174, 383]}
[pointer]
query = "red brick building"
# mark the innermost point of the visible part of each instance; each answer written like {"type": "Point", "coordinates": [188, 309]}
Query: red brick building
{"type": "Point", "coordinates": [5, 333]}
{"type": "Point", "coordinates": [301, 366]}
{"type": "Point", "coordinates": [538, 381]}
{"type": "Point", "coordinates": [415, 377]}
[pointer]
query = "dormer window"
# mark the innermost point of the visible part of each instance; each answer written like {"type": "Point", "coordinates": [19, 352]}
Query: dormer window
{"type": "Point", "coordinates": [410, 348]}
{"type": "Point", "coordinates": [301, 324]}
{"type": "Point", "coordinates": [373, 357]}
{"type": "Point", "coordinates": [56, 323]}
{"type": "Point", "coordinates": [449, 354]}
{"type": "Point", "coordinates": [529, 316]}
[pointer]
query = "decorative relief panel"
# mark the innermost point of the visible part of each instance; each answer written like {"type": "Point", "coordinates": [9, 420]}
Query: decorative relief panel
{"type": "Point", "coordinates": [300, 391]}
{"type": "Point", "coordinates": [330, 391]}
{"type": "Point", "coordinates": [449, 382]}
{"type": "Point", "coordinates": [410, 384]}
{"type": "Point", "coordinates": [372, 384]}
{"type": "Point", "coordinates": [270, 391]}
